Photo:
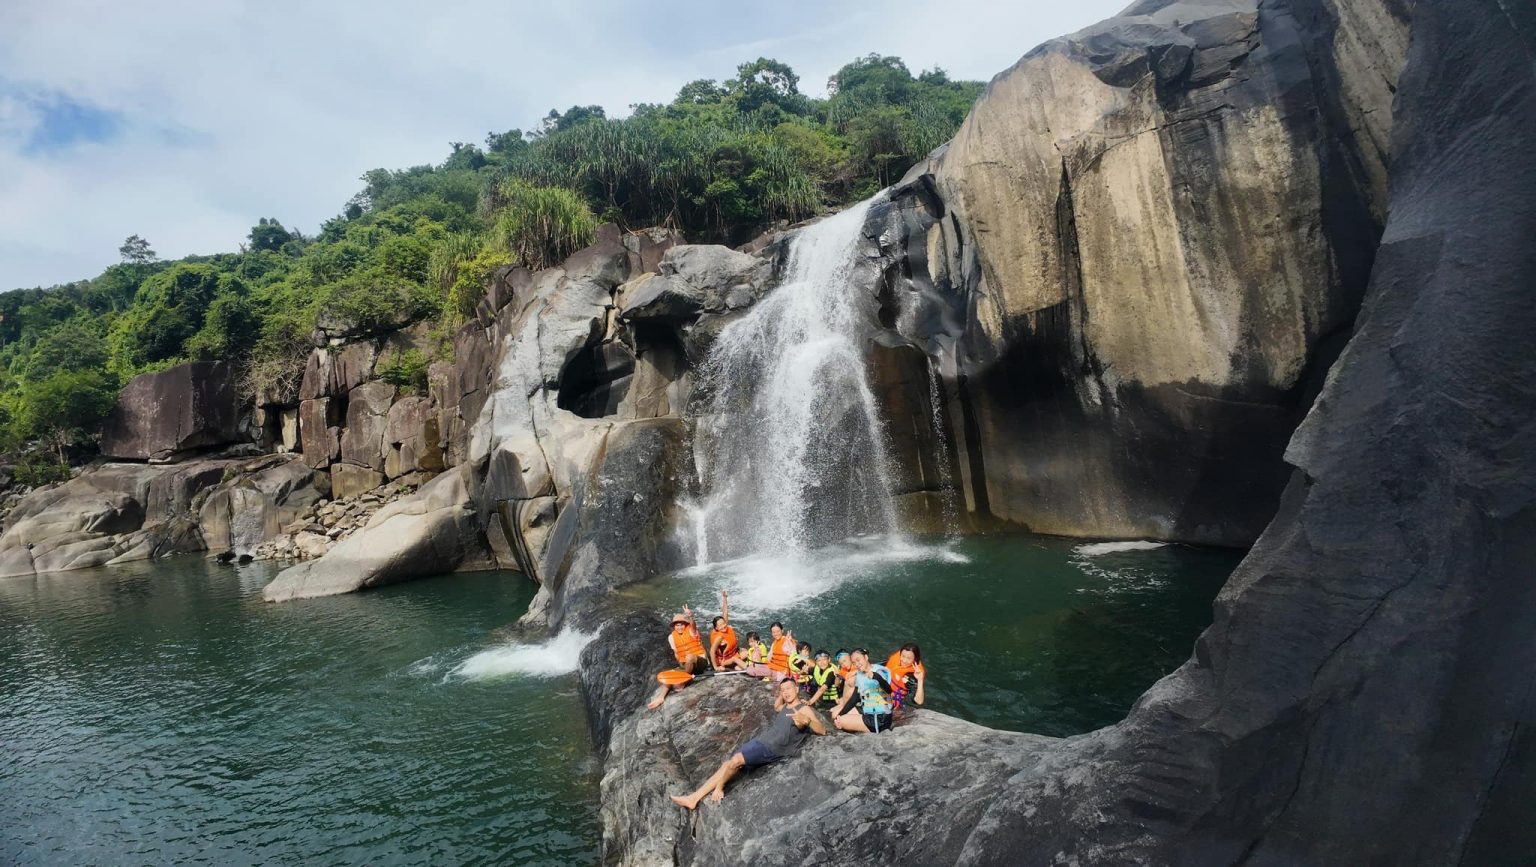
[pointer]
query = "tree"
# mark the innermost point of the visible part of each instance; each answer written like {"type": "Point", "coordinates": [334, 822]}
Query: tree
{"type": "Point", "coordinates": [67, 406]}
{"type": "Point", "coordinates": [701, 91]}
{"type": "Point", "coordinates": [269, 235]}
{"type": "Point", "coordinates": [136, 251]}
{"type": "Point", "coordinates": [765, 82]}
{"type": "Point", "coordinates": [576, 114]}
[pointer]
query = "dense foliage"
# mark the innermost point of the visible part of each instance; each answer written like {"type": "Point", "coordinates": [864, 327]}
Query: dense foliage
{"type": "Point", "coordinates": [720, 163]}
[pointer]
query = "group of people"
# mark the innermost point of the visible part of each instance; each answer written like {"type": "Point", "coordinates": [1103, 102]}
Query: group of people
{"type": "Point", "coordinates": [860, 695]}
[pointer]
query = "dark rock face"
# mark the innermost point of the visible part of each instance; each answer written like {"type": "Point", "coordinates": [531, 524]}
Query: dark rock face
{"type": "Point", "coordinates": [159, 416]}
{"type": "Point", "coordinates": [909, 796]}
{"type": "Point", "coordinates": [1140, 254]}
{"type": "Point", "coordinates": [619, 525]}
{"type": "Point", "coordinates": [1362, 694]}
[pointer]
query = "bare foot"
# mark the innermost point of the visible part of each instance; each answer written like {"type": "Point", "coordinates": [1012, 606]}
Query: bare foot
{"type": "Point", "coordinates": [655, 703]}
{"type": "Point", "coordinates": [717, 795]}
{"type": "Point", "coordinates": [683, 802]}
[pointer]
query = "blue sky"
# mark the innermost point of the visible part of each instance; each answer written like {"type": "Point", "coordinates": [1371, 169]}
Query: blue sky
{"type": "Point", "coordinates": [184, 123]}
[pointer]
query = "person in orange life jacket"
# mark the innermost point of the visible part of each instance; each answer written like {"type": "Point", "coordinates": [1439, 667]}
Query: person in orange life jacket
{"type": "Point", "coordinates": [906, 667]}
{"type": "Point", "coordinates": [724, 652]}
{"type": "Point", "coordinates": [781, 646]}
{"type": "Point", "coordinates": [757, 656]}
{"type": "Point", "coordinates": [686, 647]}
{"type": "Point", "coordinates": [870, 692]}
{"type": "Point", "coordinates": [785, 735]}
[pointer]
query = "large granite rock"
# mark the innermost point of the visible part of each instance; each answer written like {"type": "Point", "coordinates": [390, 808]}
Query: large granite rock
{"type": "Point", "coordinates": [111, 513]}
{"type": "Point", "coordinates": [362, 442]}
{"type": "Point", "coordinates": [160, 416]}
{"type": "Point", "coordinates": [263, 496]}
{"type": "Point", "coordinates": [909, 796]}
{"type": "Point", "coordinates": [431, 532]}
{"type": "Point", "coordinates": [1365, 693]}
{"type": "Point", "coordinates": [619, 525]}
{"type": "Point", "coordinates": [1139, 255]}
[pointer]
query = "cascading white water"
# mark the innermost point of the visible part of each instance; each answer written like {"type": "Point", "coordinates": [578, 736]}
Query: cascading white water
{"type": "Point", "coordinates": [947, 493]}
{"type": "Point", "coordinates": [792, 451]}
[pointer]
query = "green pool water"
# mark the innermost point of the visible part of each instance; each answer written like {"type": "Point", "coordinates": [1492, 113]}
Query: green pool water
{"type": "Point", "coordinates": [163, 713]}
{"type": "Point", "coordinates": [1018, 632]}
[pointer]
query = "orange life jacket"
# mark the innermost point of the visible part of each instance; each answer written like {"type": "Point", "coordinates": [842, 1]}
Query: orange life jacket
{"type": "Point", "coordinates": [779, 661]}
{"type": "Point", "coordinates": [727, 635]}
{"type": "Point", "coordinates": [687, 644]}
{"type": "Point", "coordinates": [901, 671]}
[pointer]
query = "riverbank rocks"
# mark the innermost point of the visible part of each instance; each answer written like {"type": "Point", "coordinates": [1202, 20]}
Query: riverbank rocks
{"type": "Point", "coordinates": [904, 797]}
{"type": "Point", "coordinates": [255, 500]}
{"type": "Point", "coordinates": [164, 415]}
{"type": "Point", "coordinates": [432, 531]}
{"type": "Point", "coordinates": [110, 513]}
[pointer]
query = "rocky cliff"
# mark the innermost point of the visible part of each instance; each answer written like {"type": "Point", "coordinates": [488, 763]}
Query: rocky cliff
{"type": "Point", "coordinates": [1365, 693]}
{"type": "Point", "coordinates": [1139, 255]}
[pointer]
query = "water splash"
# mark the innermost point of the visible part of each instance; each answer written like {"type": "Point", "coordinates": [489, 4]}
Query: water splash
{"type": "Point", "coordinates": [769, 583]}
{"type": "Point", "coordinates": [559, 655]}
{"type": "Point", "coordinates": [1098, 549]}
{"type": "Point", "coordinates": [792, 451]}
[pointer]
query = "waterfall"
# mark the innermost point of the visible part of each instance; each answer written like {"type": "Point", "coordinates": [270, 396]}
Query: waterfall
{"type": "Point", "coordinates": [791, 449]}
{"type": "Point", "coordinates": [949, 496]}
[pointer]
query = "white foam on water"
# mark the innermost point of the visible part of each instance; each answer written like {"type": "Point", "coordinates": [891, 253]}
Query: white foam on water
{"type": "Point", "coordinates": [1096, 549]}
{"type": "Point", "coordinates": [766, 583]}
{"type": "Point", "coordinates": [559, 655]}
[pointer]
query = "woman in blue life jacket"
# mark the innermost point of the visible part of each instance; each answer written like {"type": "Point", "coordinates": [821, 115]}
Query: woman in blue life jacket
{"type": "Point", "coordinates": [869, 692]}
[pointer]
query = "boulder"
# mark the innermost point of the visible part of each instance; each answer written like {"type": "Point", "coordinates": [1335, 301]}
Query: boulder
{"type": "Point", "coordinates": [656, 298]}
{"type": "Point", "coordinates": [431, 532]}
{"type": "Point", "coordinates": [319, 436]}
{"type": "Point", "coordinates": [110, 513]}
{"type": "Point", "coordinates": [709, 268]}
{"type": "Point", "coordinates": [263, 496]}
{"type": "Point", "coordinates": [336, 371]}
{"type": "Point", "coordinates": [159, 416]}
{"type": "Point", "coordinates": [1145, 246]}
{"type": "Point", "coordinates": [411, 438]}
{"type": "Point", "coordinates": [362, 442]}
{"type": "Point", "coordinates": [618, 527]}
{"type": "Point", "coordinates": [605, 263]}
{"type": "Point", "coordinates": [647, 246]}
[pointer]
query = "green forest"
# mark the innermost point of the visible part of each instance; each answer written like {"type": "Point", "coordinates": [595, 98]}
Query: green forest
{"type": "Point", "coordinates": [720, 163]}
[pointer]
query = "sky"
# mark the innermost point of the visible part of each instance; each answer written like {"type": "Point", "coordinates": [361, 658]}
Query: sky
{"type": "Point", "coordinates": [186, 122]}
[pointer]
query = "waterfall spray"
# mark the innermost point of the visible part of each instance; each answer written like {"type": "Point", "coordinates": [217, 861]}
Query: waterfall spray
{"type": "Point", "coordinates": [793, 453]}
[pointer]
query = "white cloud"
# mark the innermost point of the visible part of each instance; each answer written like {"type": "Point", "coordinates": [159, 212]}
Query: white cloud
{"type": "Point", "coordinates": [236, 110]}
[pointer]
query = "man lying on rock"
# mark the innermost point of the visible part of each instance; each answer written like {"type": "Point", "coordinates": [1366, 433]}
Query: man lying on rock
{"type": "Point", "coordinates": [783, 738]}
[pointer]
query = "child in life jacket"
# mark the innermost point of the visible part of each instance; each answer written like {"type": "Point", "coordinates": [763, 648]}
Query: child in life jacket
{"type": "Point", "coordinates": [800, 663]}
{"type": "Point", "coordinates": [826, 682]}
{"type": "Point", "coordinates": [757, 656]}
